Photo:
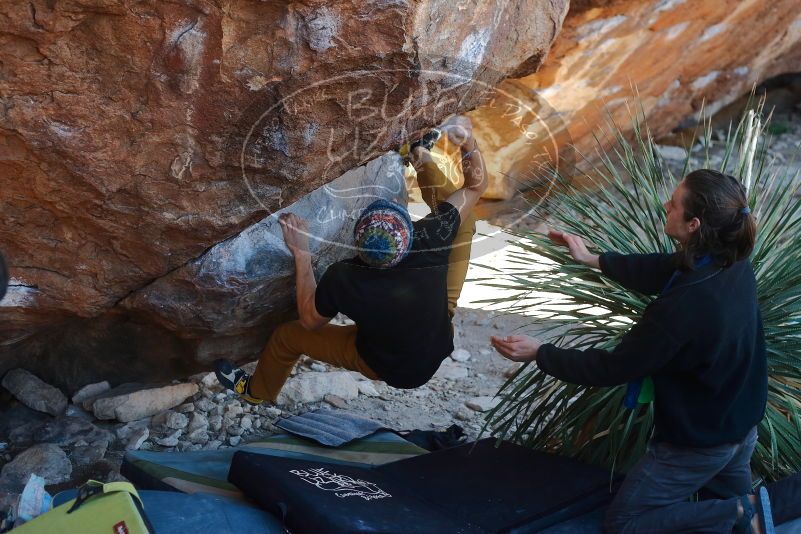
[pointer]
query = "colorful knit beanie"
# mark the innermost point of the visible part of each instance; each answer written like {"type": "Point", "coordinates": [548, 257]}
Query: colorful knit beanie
{"type": "Point", "coordinates": [383, 234]}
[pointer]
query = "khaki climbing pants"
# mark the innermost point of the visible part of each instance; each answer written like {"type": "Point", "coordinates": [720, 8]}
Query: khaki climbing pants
{"type": "Point", "coordinates": [336, 345]}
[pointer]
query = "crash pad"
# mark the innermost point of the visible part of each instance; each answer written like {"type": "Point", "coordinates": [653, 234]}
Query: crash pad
{"type": "Point", "coordinates": [329, 427]}
{"type": "Point", "coordinates": [478, 487]}
{"type": "Point", "coordinates": [171, 512]}
{"type": "Point", "coordinates": [207, 471]}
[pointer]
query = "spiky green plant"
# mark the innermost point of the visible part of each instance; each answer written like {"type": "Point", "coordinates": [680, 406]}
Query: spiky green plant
{"type": "Point", "coordinates": [576, 306]}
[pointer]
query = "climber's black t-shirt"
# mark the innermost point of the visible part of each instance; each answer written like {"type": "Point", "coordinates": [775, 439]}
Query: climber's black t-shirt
{"type": "Point", "coordinates": [401, 313]}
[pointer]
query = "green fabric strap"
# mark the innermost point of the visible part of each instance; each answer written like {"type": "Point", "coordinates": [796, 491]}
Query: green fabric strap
{"type": "Point", "coordinates": [646, 391]}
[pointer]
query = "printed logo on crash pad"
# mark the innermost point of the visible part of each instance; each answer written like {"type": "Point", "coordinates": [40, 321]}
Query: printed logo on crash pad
{"type": "Point", "coordinates": [342, 485]}
{"type": "Point", "coordinates": [121, 528]}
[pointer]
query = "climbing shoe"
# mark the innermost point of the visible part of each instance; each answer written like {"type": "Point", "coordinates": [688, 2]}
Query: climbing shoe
{"type": "Point", "coordinates": [427, 141]}
{"type": "Point", "coordinates": [235, 379]}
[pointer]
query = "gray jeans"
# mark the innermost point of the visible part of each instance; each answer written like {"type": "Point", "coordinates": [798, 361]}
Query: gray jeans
{"type": "Point", "coordinates": [654, 496]}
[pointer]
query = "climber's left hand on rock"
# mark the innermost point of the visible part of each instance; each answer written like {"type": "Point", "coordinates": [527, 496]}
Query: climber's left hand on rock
{"type": "Point", "coordinates": [296, 233]}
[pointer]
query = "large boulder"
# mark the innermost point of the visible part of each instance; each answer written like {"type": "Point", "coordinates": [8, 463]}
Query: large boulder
{"type": "Point", "coordinates": [138, 139]}
{"type": "Point", "coordinates": [219, 301]}
{"type": "Point", "coordinates": [675, 55]}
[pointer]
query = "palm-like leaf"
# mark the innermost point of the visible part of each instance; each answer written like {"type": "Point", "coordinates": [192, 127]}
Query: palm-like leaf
{"type": "Point", "coordinates": [577, 306]}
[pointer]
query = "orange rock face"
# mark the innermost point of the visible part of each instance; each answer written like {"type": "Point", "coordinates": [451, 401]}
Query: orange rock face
{"type": "Point", "coordinates": [675, 55]}
{"type": "Point", "coordinates": [135, 136]}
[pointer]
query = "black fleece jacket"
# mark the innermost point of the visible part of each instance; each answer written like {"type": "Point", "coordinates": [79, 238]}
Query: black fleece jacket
{"type": "Point", "coordinates": [701, 341]}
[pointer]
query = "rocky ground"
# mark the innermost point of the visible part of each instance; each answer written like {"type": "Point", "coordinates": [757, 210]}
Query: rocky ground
{"type": "Point", "coordinates": [70, 440]}
{"type": "Point", "coordinates": [782, 151]}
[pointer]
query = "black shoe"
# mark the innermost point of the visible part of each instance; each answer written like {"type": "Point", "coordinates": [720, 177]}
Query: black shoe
{"type": "Point", "coordinates": [235, 379]}
{"type": "Point", "coordinates": [428, 140]}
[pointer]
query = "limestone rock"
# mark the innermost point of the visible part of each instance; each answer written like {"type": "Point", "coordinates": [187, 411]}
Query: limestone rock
{"type": "Point", "coordinates": [66, 431]}
{"type": "Point", "coordinates": [176, 420]}
{"type": "Point", "coordinates": [675, 153]}
{"type": "Point", "coordinates": [511, 370]}
{"type": "Point", "coordinates": [187, 407]}
{"type": "Point", "coordinates": [204, 405]}
{"type": "Point", "coordinates": [137, 438]}
{"type": "Point", "coordinates": [125, 431]}
{"type": "Point", "coordinates": [198, 436]}
{"type": "Point", "coordinates": [451, 370]}
{"type": "Point", "coordinates": [18, 424]}
{"type": "Point", "coordinates": [336, 401]}
{"type": "Point", "coordinates": [78, 411]}
{"type": "Point", "coordinates": [313, 387]}
{"type": "Point", "coordinates": [170, 440]}
{"type": "Point", "coordinates": [368, 389]}
{"type": "Point", "coordinates": [198, 422]}
{"type": "Point", "coordinates": [246, 423]}
{"type": "Point", "coordinates": [34, 393]}
{"type": "Point", "coordinates": [135, 117]}
{"type": "Point", "coordinates": [209, 379]}
{"type": "Point", "coordinates": [90, 391]}
{"type": "Point", "coordinates": [234, 409]}
{"type": "Point", "coordinates": [215, 423]}
{"type": "Point", "coordinates": [483, 403]}
{"type": "Point", "coordinates": [46, 460]}
{"type": "Point", "coordinates": [272, 412]}
{"type": "Point", "coordinates": [131, 402]}
{"type": "Point", "coordinates": [460, 355]}
{"type": "Point", "coordinates": [160, 419]}
{"type": "Point", "coordinates": [89, 454]}
{"type": "Point", "coordinates": [463, 414]}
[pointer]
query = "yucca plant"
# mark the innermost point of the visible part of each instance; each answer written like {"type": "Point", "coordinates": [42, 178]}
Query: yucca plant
{"type": "Point", "coordinates": [574, 305]}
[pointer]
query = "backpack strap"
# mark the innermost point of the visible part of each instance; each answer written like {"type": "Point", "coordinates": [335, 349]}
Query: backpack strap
{"type": "Point", "coordinates": [93, 488]}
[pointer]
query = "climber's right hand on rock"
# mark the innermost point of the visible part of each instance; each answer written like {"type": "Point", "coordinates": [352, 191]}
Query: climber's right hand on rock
{"type": "Point", "coordinates": [296, 233]}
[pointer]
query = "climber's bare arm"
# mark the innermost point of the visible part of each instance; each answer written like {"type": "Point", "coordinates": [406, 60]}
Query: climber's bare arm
{"type": "Point", "coordinates": [296, 236]}
{"type": "Point", "coordinates": [460, 132]}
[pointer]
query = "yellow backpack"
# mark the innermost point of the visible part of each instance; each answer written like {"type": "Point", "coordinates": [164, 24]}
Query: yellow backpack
{"type": "Point", "coordinates": [113, 508]}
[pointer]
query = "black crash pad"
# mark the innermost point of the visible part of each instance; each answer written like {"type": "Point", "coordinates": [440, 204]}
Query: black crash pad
{"type": "Point", "coordinates": [472, 488]}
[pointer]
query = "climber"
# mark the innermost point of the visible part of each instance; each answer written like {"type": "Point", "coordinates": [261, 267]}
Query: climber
{"type": "Point", "coordinates": [701, 341]}
{"type": "Point", "coordinates": [400, 290]}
